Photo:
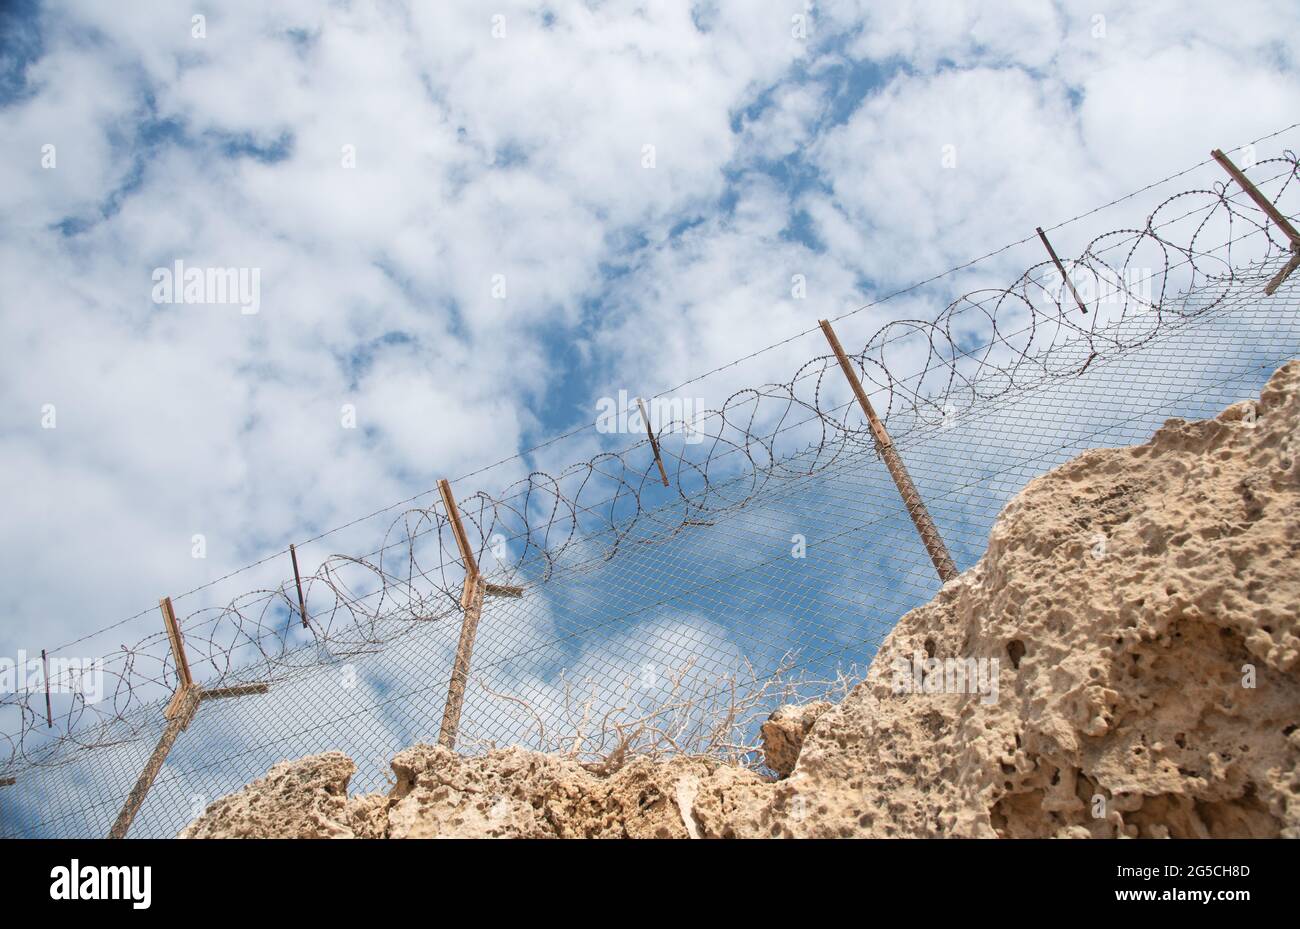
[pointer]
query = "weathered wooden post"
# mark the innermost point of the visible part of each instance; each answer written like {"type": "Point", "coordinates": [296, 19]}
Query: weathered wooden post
{"type": "Point", "coordinates": [925, 526]}
{"type": "Point", "coordinates": [471, 602]}
{"type": "Point", "coordinates": [654, 443]}
{"type": "Point", "coordinates": [297, 579]}
{"type": "Point", "coordinates": [179, 720]}
{"type": "Point", "coordinates": [180, 710]}
{"type": "Point", "coordinates": [1272, 212]}
{"type": "Point", "coordinates": [49, 712]}
{"type": "Point", "coordinates": [179, 713]}
{"type": "Point", "coordinates": [1061, 268]}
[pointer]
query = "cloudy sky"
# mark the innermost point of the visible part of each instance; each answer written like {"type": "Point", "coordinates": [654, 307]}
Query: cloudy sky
{"type": "Point", "coordinates": [469, 226]}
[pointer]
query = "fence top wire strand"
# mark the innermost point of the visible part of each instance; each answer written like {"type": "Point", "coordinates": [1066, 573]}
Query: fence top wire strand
{"type": "Point", "coordinates": [553, 516]}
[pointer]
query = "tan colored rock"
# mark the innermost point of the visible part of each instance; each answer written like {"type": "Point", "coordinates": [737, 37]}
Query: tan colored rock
{"type": "Point", "coordinates": [1142, 606]}
{"type": "Point", "coordinates": [517, 793]}
{"type": "Point", "coordinates": [368, 816]}
{"type": "Point", "coordinates": [784, 732]}
{"type": "Point", "coordinates": [510, 793]}
{"type": "Point", "coordinates": [1128, 596]}
{"type": "Point", "coordinates": [303, 799]}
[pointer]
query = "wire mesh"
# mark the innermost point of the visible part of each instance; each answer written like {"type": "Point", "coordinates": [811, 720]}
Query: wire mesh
{"type": "Point", "coordinates": [777, 560]}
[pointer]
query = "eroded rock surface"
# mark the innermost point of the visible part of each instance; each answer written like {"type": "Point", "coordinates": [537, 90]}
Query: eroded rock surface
{"type": "Point", "coordinates": [784, 732]}
{"type": "Point", "coordinates": [513, 792]}
{"type": "Point", "coordinates": [1142, 605]}
{"type": "Point", "coordinates": [1130, 666]}
{"type": "Point", "coordinates": [510, 793]}
{"type": "Point", "coordinates": [302, 799]}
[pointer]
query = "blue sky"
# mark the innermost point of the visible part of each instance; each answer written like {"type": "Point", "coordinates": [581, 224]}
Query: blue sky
{"type": "Point", "coordinates": [520, 155]}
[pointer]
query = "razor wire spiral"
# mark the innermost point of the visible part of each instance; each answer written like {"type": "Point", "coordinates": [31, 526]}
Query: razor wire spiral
{"type": "Point", "coordinates": [984, 345]}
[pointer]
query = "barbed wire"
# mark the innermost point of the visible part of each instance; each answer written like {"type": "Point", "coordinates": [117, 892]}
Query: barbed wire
{"type": "Point", "coordinates": [969, 263]}
{"type": "Point", "coordinates": [985, 344]}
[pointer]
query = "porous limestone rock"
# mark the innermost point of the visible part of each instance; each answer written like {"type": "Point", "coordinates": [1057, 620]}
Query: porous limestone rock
{"type": "Point", "coordinates": [508, 793]}
{"type": "Point", "coordinates": [784, 731]}
{"type": "Point", "coordinates": [1143, 605]}
{"type": "Point", "coordinates": [1129, 658]}
{"type": "Point", "coordinates": [303, 799]}
{"type": "Point", "coordinates": [517, 793]}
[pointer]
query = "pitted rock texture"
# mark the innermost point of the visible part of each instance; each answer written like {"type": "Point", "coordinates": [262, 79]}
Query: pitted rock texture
{"type": "Point", "coordinates": [1142, 606]}
{"type": "Point", "coordinates": [509, 793]}
{"type": "Point", "coordinates": [517, 793]}
{"type": "Point", "coordinates": [302, 799]}
{"type": "Point", "coordinates": [784, 732]}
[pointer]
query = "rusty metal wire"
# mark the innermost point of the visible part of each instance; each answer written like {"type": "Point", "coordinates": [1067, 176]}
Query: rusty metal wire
{"type": "Point", "coordinates": [735, 473]}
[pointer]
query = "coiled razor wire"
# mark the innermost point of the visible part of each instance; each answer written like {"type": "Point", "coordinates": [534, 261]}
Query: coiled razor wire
{"type": "Point", "coordinates": [766, 453]}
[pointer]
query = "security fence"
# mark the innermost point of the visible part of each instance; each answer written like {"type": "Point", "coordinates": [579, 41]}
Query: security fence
{"type": "Point", "coordinates": [671, 611]}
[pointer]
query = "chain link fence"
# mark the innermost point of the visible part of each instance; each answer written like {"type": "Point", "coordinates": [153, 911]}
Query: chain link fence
{"type": "Point", "coordinates": [675, 619]}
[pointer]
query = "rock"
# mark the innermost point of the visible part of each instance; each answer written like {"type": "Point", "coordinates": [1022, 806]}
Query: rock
{"type": "Point", "coordinates": [1123, 661]}
{"type": "Point", "coordinates": [1141, 604]}
{"type": "Point", "coordinates": [509, 793]}
{"type": "Point", "coordinates": [517, 793]}
{"type": "Point", "coordinates": [784, 732]}
{"type": "Point", "coordinates": [303, 799]}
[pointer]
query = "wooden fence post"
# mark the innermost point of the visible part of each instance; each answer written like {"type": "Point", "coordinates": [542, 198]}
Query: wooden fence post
{"type": "Point", "coordinates": [178, 720]}
{"type": "Point", "coordinates": [49, 712]}
{"type": "Point", "coordinates": [1254, 193]}
{"type": "Point", "coordinates": [178, 713]}
{"type": "Point", "coordinates": [1271, 287]}
{"type": "Point", "coordinates": [1272, 212]}
{"type": "Point", "coordinates": [1061, 268]}
{"type": "Point", "coordinates": [177, 643]}
{"type": "Point", "coordinates": [471, 602]}
{"type": "Point", "coordinates": [654, 443]}
{"type": "Point", "coordinates": [925, 526]}
{"type": "Point", "coordinates": [176, 724]}
{"type": "Point", "coordinates": [184, 682]}
{"type": "Point", "coordinates": [458, 529]}
{"type": "Point", "coordinates": [297, 579]}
